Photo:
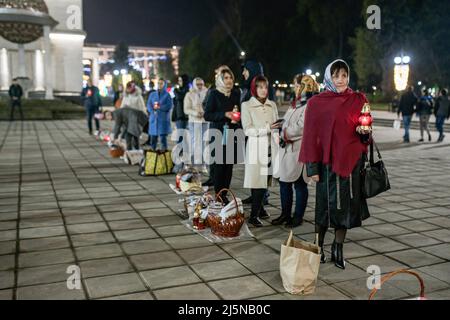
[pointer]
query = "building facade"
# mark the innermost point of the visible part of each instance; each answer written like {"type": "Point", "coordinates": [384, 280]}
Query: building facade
{"type": "Point", "coordinates": [52, 64]}
{"type": "Point", "coordinates": [42, 43]}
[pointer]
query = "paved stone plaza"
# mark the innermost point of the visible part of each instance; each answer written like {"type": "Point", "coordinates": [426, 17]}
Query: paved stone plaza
{"type": "Point", "coordinates": [64, 201]}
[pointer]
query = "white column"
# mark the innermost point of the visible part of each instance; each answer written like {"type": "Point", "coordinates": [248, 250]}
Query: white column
{"type": "Point", "coordinates": [22, 62]}
{"type": "Point", "coordinates": [4, 70]}
{"type": "Point", "coordinates": [48, 65]}
{"type": "Point", "coordinates": [39, 79]}
{"type": "Point", "coordinates": [95, 72]}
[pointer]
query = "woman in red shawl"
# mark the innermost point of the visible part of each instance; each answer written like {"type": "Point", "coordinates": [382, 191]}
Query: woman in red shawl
{"type": "Point", "coordinates": [333, 148]}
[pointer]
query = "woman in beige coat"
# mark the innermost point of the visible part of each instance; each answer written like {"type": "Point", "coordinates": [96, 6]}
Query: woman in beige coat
{"type": "Point", "coordinates": [292, 173]}
{"type": "Point", "coordinates": [193, 107]}
{"type": "Point", "coordinates": [258, 117]}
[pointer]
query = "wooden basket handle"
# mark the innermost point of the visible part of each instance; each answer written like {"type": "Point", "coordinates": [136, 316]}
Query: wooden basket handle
{"type": "Point", "coordinates": [393, 274]}
{"type": "Point", "coordinates": [234, 198]}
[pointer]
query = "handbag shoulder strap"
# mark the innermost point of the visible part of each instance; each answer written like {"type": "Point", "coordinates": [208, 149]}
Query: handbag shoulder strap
{"type": "Point", "coordinates": [372, 144]}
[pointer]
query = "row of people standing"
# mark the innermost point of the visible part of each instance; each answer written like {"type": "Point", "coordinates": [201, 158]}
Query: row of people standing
{"type": "Point", "coordinates": [320, 140]}
{"type": "Point", "coordinates": [424, 106]}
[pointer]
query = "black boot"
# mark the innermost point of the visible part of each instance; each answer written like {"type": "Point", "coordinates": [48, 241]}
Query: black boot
{"type": "Point", "coordinates": [340, 262]}
{"type": "Point", "coordinates": [280, 220]}
{"type": "Point", "coordinates": [264, 215]}
{"type": "Point", "coordinates": [294, 223]}
{"type": "Point", "coordinates": [288, 222]}
{"type": "Point", "coordinates": [333, 252]}
{"type": "Point", "coordinates": [255, 222]}
{"type": "Point", "coordinates": [323, 258]}
{"type": "Point", "coordinates": [208, 183]}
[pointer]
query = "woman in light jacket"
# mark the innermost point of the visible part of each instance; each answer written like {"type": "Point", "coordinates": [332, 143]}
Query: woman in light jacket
{"type": "Point", "coordinates": [131, 116]}
{"type": "Point", "coordinates": [259, 115]}
{"type": "Point", "coordinates": [193, 107]}
{"type": "Point", "coordinates": [292, 174]}
{"type": "Point", "coordinates": [132, 98]}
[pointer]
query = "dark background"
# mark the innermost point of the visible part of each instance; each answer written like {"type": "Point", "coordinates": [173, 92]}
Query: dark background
{"type": "Point", "coordinates": [147, 22]}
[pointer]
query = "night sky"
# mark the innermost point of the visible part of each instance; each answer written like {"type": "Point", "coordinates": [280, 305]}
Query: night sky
{"type": "Point", "coordinates": [146, 22]}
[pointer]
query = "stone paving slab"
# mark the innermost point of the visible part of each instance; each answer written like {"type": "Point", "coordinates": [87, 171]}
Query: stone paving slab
{"type": "Point", "coordinates": [69, 204]}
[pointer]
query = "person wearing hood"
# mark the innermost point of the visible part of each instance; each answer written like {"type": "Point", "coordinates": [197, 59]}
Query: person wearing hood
{"type": "Point", "coordinates": [219, 112]}
{"type": "Point", "coordinates": [159, 106]}
{"type": "Point", "coordinates": [193, 107]}
{"type": "Point", "coordinates": [334, 149]}
{"type": "Point", "coordinates": [250, 70]}
{"type": "Point", "coordinates": [178, 114]}
{"type": "Point", "coordinates": [259, 121]}
{"type": "Point", "coordinates": [292, 175]}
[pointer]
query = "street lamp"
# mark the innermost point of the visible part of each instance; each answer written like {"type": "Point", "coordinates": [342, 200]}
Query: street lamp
{"type": "Point", "coordinates": [401, 72]}
{"type": "Point", "coordinates": [309, 72]}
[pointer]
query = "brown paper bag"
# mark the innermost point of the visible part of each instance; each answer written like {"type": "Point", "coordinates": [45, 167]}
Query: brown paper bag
{"type": "Point", "coordinates": [299, 266]}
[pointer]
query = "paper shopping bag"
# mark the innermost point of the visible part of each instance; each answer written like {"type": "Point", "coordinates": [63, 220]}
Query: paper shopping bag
{"type": "Point", "coordinates": [299, 266]}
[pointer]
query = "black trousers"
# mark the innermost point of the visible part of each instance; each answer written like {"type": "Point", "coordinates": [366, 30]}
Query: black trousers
{"type": "Point", "coordinates": [16, 104]}
{"type": "Point", "coordinates": [132, 141]}
{"type": "Point", "coordinates": [90, 113]}
{"type": "Point", "coordinates": [222, 177]}
{"type": "Point", "coordinates": [257, 202]}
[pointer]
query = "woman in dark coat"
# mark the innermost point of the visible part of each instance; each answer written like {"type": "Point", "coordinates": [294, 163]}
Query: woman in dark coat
{"type": "Point", "coordinates": [219, 112]}
{"type": "Point", "coordinates": [334, 148]}
{"type": "Point", "coordinates": [178, 115]}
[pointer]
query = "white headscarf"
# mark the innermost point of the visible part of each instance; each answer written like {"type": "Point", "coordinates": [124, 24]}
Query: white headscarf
{"type": "Point", "coordinates": [199, 95]}
{"type": "Point", "coordinates": [328, 80]}
{"type": "Point", "coordinates": [220, 84]}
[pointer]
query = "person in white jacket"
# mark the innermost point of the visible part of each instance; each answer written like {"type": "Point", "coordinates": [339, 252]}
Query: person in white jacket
{"type": "Point", "coordinates": [292, 174]}
{"type": "Point", "coordinates": [259, 121]}
{"type": "Point", "coordinates": [193, 107]}
{"type": "Point", "coordinates": [132, 98]}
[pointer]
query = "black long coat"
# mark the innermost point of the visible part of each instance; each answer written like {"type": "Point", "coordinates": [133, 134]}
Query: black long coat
{"type": "Point", "coordinates": [351, 209]}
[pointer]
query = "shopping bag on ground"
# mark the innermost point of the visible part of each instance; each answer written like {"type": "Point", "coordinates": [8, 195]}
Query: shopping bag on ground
{"type": "Point", "coordinates": [397, 124]}
{"type": "Point", "coordinates": [133, 157]}
{"type": "Point", "coordinates": [299, 266]}
{"type": "Point", "coordinates": [156, 163]}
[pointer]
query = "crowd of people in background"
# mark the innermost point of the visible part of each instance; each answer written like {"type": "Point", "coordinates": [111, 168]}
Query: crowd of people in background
{"type": "Point", "coordinates": [424, 106]}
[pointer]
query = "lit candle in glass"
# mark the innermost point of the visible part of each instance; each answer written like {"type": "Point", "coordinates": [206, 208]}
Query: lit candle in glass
{"type": "Point", "coordinates": [365, 119]}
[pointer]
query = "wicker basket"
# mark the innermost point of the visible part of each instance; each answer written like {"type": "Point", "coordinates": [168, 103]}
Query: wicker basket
{"type": "Point", "coordinates": [393, 274]}
{"type": "Point", "coordinates": [116, 152]}
{"type": "Point", "coordinates": [232, 225]}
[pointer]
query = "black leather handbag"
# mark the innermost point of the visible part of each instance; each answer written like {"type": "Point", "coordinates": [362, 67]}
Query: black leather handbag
{"type": "Point", "coordinates": [375, 175]}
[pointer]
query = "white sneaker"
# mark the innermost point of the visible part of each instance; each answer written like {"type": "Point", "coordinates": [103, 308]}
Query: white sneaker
{"type": "Point", "coordinates": [97, 132]}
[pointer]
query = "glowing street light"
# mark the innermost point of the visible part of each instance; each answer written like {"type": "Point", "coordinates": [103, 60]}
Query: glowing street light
{"type": "Point", "coordinates": [309, 72]}
{"type": "Point", "coordinates": [243, 53]}
{"type": "Point", "coordinates": [317, 74]}
{"type": "Point", "coordinates": [401, 72]}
